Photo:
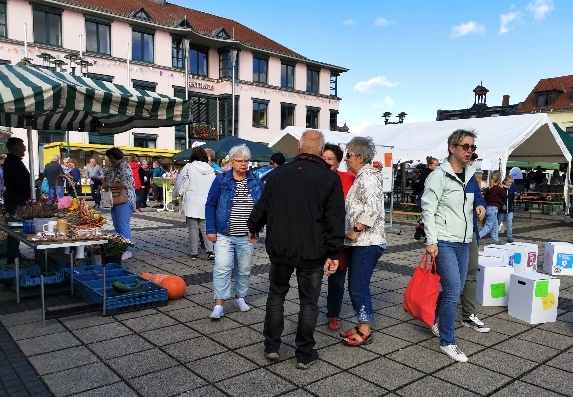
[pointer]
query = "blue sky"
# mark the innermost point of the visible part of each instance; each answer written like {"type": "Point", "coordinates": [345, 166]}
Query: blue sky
{"type": "Point", "coordinates": [417, 56]}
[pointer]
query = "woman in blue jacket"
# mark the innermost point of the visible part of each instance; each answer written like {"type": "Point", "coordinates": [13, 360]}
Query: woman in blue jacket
{"type": "Point", "coordinates": [230, 201]}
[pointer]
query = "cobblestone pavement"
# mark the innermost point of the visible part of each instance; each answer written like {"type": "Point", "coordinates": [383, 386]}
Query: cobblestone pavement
{"type": "Point", "coordinates": [177, 350]}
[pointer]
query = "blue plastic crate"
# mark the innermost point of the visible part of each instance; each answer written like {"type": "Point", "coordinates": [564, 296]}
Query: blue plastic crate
{"type": "Point", "coordinates": [8, 273]}
{"type": "Point", "coordinates": [83, 277]}
{"type": "Point", "coordinates": [49, 278]}
{"type": "Point", "coordinates": [86, 289]}
{"type": "Point", "coordinates": [92, 269]}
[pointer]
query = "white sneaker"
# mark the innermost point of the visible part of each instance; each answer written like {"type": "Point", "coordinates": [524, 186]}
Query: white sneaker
{"type": "Point", "coordinates": [454, 352]}
{"type": "Point", "coordinates": [474, 322]}
{"type": "Point", "coordinates": [217, 312]}
{"type": "Point", "coordinates": [126, 255]}
{"type": "Point", "coordinates": [435, 330]}
{"type": "Point", "coordinates": [240, 303]}
{"type": "Point", "coordinates": [500, 226]}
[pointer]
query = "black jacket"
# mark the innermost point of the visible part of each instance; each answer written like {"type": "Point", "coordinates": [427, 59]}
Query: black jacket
{"type": "Point", "coordinates": [17, 182]}
{"type": "Point", "coordinates": [52, 170]}
{"type": "Point", "coordinates": [303, 207]}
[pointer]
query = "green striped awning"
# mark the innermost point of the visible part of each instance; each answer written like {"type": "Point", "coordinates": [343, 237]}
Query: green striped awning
{"type": "Point", "coordinates": [47, 100]}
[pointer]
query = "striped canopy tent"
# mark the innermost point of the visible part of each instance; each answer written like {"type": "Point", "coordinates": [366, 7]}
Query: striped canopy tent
{"type": "Point", "coordinates": [40, 99]}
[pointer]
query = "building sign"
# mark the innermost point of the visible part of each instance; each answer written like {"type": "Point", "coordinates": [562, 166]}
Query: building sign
{"type": "Point", "coordinates": [200, 84]}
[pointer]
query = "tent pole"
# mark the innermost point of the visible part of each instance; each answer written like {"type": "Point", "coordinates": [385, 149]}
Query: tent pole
{"type": "Point", "coordinates": [31, 163]}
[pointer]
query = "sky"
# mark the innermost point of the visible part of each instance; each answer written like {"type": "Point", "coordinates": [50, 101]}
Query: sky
{"type": "Point", "coordinates": [416, 56]}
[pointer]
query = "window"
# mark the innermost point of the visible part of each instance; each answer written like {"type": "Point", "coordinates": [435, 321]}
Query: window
{"type": "Point", "coordinates": [144, 85]}
{"type": "Point", "coordinates": [144, 140]}
{"type": "Point", "coordinates": [333, 84]}
{"type": "Point", "coordinates": [142, 45]}
{"type": "Point", "coordinates": [260, 69]}
{"type": "Point", "coordinates": [287, 75]}
{"type": "Point", "coordinates": [198, 57]}
{"type": "Point", "coordinates": [260, 113]}
{"type": "Point", "coordinates": [101, 77]}
{"type": "Point", "coordinates": [3, 19]}
{"type": "Point", "coordinates": [544, 99]}
{"type": "Point", "coordinates": [226, 65]}
{"type": "Point", "coordinates": [180, 143]}
{"type": "Point", "coordinates": [312, 77]}
{"type": "Point", "coordinates": [45, 137]}
{"type": "Point", "coordinates": [98, 36]}
{"type": "Point", "coordinates": [312, 117]}
{"type": "Point", "coordinates": [101, 139]}
{"type": "Point", "coordinates": [333, 120]}
{"type": "Point", "coordinates": [569, 130]}
{"type": "Point", "coordinates": [177, 53]}
{"type": "Point", "coordinates": [226, 116]}
{"type": "Point", "coordinates": [287, 114]}
{"type": "Point", "coordinates": [47, 25]}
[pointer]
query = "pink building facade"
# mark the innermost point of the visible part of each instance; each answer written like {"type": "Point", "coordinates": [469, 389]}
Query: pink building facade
{"type": "Point", "coordinates": [141, 43]}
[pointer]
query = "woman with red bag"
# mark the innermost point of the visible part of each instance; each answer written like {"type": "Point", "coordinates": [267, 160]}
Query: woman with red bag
{"type": "Point", "coordinates": [332, 154]}
{"type": "Point", "coordinates": [447, 211]}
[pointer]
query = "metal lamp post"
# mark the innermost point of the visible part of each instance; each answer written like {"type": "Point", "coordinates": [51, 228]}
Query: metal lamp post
{"type": "Point", "coordinates": [233, 62]}
{"type": "Point", "coordinates": [73, 57]}
{"type": "Point", "coordinates": [186, 42]}
{"type": "Point", "coordinates": [401, 116]}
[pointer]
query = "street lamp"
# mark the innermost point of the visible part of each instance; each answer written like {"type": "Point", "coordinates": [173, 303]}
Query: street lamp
{"type": "Point", "coordinates": [73, 57]}
{"type": "Point", "coordinates": [58, 63]}
{"type": "Point", "coordinates": [186, 42]}
{"type": "Point", "coordinates": [401, 116]}
{"type": "Point", "coordinates": [233, 62]}
{"type": "Point", "coordinates": [46, 59]}
{"type": "Point", "coordinates": [84, 67]}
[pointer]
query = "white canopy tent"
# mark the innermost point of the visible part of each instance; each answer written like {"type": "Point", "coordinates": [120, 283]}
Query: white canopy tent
{"type": "Point", "coordinates": [287, 141]}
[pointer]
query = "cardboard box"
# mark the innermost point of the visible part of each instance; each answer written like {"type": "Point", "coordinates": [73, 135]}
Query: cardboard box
{"type": "Point", "coordinates": [506, 251]}
{"type": "Point", "coordinates": [534, 297]}
{"type": "Point", "coordinates": [490, 257]}
{"type": "Point", "coordinates": [558, 258]}
{"type": "Point", "coordinates": [493, 284]}
{"type": "Point", "coordinates": [525, 257]}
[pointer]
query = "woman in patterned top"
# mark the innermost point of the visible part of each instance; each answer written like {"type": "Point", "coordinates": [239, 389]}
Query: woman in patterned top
{"type": "Point", "coordinates": [365, 235]}
{"type": "Point", "coordinates": [119, 175]}
{"type": "Point", "coordinates": [231, 198]}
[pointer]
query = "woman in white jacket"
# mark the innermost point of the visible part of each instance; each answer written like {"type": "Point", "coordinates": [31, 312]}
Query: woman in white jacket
{"type": "Point", "coordinates": [193, 184]}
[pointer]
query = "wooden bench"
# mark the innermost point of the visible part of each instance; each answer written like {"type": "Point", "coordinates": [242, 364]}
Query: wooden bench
{"type": "Point", "coordinates": [409, 214]}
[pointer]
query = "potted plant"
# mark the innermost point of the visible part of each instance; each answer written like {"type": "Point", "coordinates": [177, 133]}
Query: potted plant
{"type": "Point", "coordinates": [26, 213]}
{"type": "Point", "coordinates": [115, 247]}
{"type": "Point", "coordinates": [204, 131]}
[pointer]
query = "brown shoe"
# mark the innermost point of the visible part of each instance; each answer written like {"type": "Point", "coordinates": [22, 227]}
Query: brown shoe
{"type": "Point", "coordinates": [333, 324]}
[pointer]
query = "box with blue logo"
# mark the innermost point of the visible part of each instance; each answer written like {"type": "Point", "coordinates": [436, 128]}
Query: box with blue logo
{"type": "Point", "coordinates": [525, 257]}
{"type": "Point", "coordinates": [558, 258]}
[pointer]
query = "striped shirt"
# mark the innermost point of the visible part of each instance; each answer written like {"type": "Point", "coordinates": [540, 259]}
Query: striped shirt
{"type": "Point", "coordinates": [242, 206]}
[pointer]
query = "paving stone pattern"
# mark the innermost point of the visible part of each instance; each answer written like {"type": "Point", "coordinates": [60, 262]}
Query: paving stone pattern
{"type": "Point", "coordinates": [177, 350]}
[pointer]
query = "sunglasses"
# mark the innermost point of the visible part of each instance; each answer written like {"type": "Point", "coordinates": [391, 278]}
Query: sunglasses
{"type": "Point", "coordinates": [348, 155]}
{"type": "Point", "coordinates": [467, 146]}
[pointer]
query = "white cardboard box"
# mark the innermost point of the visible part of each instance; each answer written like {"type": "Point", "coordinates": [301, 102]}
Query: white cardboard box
{"type": "Point", "coordinates": [493, 284]}
{"type": "Point", "coordinates": [525, 257]}
{"type": "Point", "coordinates": [490, 257]}
{"type": "Point", "coordinates": [558, 259]}
{"type": "Point", "coordinates": [534, 297]}
{"type": "Point", "coordinates": [505, 250]}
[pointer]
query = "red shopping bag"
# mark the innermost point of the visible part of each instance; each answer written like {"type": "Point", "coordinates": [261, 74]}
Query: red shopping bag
{"type": "Point", "coordinates": [421, 295]}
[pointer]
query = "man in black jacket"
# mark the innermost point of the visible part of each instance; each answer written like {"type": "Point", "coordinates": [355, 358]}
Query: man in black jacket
{"type": "Point", "coordinates": [52, 171]}
{"type": "Point", "coordinates": [303, 208]}
{"type": "Point", "coordinates": [17, 184]}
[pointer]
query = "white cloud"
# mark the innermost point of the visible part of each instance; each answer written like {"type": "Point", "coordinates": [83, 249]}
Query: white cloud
{"type": "Point", "coordinates": [505, 21]}
{"type": "Point", "coordinates": [382, 22]}
{"type": "Point", "coordinates": [364, 86]}
{"type": "Point", "coordinates": [385, 104]}
{"type": "Point", "coordinates": [355, 128]}
{"type": "Point", "coordinates": [464, 29]}
{"type": "Point", "coordinates": [540, 8]}
{"type": "Point", "coordinates": [349, 22]}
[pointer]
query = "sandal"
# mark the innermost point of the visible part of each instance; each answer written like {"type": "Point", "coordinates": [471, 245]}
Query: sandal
{"type": "Point", "coordinates": [358, 339]}
{"type": "Point", "coordinates": [350, 332]}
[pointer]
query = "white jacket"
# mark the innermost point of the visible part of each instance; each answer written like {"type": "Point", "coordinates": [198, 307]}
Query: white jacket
{"type": "Point", "coordinates": [201, 176]}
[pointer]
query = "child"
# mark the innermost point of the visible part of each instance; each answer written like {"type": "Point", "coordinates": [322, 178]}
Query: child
{"type": "Point", "coordinates": [420, 231]}
{"type": "Point", "coordinates": [506, 211]}
{"type": "Point", "coordinates": [494, 196]}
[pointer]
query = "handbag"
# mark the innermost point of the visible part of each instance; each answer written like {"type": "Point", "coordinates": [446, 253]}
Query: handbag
{"type": "Point", "coordinates": [106, 200]}
{"type": "Point", "coordinates": [421, 295]}
{"type": "Point", "coordinates": [119, 195]}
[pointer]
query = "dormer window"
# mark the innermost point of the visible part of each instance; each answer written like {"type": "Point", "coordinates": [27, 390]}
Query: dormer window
{"type": "Point", "coordinates": [545, 99]}
{"type": "Point", "coordinates": [142, 15]}
{"type": "Point", "coordinates": [221, 33]}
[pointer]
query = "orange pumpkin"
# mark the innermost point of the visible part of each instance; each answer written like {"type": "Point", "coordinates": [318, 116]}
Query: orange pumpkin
{"type": "Point", "coordinates": [175, 286]}
{"type": "Point", "coordinates": [146, 276]}
{"type": "Point", "coordinates": [156, 278]}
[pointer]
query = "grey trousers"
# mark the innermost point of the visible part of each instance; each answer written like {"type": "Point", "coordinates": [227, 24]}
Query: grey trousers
{"type": "Point", "coordinates": [194, 225]}
{"type": "Point", "coordinates": [468, 296]}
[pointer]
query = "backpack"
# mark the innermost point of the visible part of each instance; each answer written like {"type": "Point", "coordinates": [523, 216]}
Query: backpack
{"type": "Point", "coordinates": [45, 188]}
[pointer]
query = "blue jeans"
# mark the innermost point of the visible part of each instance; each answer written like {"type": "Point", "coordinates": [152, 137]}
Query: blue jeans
{"type": "Point", "coordinates": [452, 267]}
{"type": "Point", "coordinates": [508, 222]}
{"type": "Point", "coordinates": [121, 216]}
{"type": "Point", "coordinates": [232, 252]}
{"type": "Point", "coordinates": [491, 225]}
{"type": "Point", "coordinates": [361, 262]}
{"type": "Point", "coordinates": [60, 191]}
{"type": "Point", "coordinates": [335, 293]}
{"type": "Point", "coordinates": [95, 193]}
{"type": "Point", "coordinates": [309, 283]}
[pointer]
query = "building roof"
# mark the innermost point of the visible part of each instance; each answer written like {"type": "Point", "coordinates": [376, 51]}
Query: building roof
{"type": "Point", "coordinates": [563, 84]}
{"type": "Point", "coordinates": [171, 16]}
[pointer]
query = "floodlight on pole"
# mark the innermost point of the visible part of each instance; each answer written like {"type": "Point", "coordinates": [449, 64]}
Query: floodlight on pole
{"type": "Point", "coordinates": [233, 63]}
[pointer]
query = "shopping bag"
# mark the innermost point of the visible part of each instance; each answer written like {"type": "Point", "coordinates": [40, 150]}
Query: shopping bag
{"type": "Point", "coordinates": [45, 187]}
{"type": "Point", "coordinates": [421, 295]}
{"type": "Point", "coordinates": [106, 198]}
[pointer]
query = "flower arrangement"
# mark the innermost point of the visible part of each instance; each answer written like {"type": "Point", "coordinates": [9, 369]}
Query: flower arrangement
{"type": "Point", "coordinates": [116, 245]}
{"type": "Point", "coordinates": [204, 131]}
{"type": "Point", "coordinates": [41, 208]}
{"type": "Point", "coordinates": [79, 215]}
